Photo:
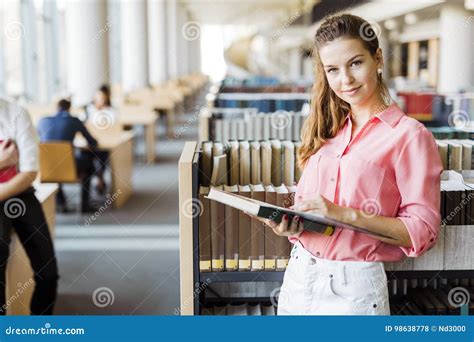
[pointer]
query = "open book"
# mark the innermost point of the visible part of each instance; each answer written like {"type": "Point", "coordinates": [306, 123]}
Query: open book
{"type": "Point", "coordinates": [311, 221]}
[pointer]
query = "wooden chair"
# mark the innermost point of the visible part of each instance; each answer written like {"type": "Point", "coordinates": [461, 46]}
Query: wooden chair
{"type": "Point", "coordinates": [57, 163]}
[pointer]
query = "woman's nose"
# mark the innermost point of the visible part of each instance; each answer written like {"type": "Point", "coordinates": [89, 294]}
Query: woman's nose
{"type": "Point", "coordinates": [347, 77]}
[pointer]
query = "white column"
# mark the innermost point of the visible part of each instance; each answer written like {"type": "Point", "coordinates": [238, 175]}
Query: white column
{"type": "Point", "coordinates": [87, 52]}
{"type": "Point", "coordinates": [194, 55]}
{"type": "Point", "coordinates": [115, 42]}
{"type": "Point", "coordinates": [51, 45]}
{"type": "Point", "coordinates": [185, 37]}
{"type": "Point", "coordinates": [172, 34]}
{"type": "Point", "coordinates": [29, 54]}
{"type": "Point", "coordinates": [157, 41]}
{"type": "Point", "coordinates": [2, 49]}
{"type": "Point", "coordinates": [456, 50]}
{"type": "Point", "coordinates": [134, 45]}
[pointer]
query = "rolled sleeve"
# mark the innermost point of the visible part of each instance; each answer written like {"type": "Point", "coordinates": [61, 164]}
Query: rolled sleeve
{"type": "Point", "coordinates": [27, 142]}
{"type": "Point", "coordinates": [418, 173]}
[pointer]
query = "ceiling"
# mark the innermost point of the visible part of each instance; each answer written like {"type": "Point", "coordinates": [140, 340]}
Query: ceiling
{"type": "Point", "coordinates": [261, 13]}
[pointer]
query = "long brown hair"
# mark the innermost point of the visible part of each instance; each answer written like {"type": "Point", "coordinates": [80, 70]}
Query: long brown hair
{"type": "Point", "coordinates": [328, 111]}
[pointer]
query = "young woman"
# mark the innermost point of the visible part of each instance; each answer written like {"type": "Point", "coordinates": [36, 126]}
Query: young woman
{"type": "Point", "coordinates": [21, 211]}
{"type": "Point", "coordinates": [101, 113]}
{"type": "Point", "coordinates": [365, 163]}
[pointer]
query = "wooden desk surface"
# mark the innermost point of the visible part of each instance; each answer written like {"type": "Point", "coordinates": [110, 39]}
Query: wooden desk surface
{"type": "Point", "coordinates": [45, 190]}
{"type": "Point", "coordinates": [137, 119]}
{"type": "Point", "coordinates": [106, 142]}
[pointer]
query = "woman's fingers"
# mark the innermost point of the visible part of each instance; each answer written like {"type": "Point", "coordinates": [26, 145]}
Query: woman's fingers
{"type": "Point", "coordinates": [295, 224]}
{"type": "Point", "coordinates": [269, 223]}
{"type": "Point", "coordinates": [285, 227]}
{"type": "Point", "coordinates": [282, 228]}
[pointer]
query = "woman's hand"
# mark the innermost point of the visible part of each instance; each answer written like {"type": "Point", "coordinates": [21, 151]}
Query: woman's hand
{"type": "Point", "coordinates": [285, 228]}
{"type": "Point", "coordinates": [8, 154]}
{"type": "Point", "coordinates": [321, 205]}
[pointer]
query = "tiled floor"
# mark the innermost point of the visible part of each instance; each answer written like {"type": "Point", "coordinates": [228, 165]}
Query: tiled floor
{"type": "Point", "coordinates": [127, 262]}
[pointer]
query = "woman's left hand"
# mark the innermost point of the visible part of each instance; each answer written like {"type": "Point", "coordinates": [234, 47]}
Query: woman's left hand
{"type": "Point", "coordinates": [320, 205]}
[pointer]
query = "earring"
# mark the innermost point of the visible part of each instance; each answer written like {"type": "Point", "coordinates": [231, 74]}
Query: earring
{"type": "Point", "coordinates": [379, 71]}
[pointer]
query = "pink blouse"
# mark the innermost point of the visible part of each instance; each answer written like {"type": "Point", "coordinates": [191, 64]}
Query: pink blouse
{"type": "Point", "coordinates": [391, 168]}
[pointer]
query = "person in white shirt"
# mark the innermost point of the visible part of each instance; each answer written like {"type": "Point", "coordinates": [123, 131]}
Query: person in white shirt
{"type": "Point", "coordinates": [20, 209]}
{"type": "Point", "coordinates": [102, 115]}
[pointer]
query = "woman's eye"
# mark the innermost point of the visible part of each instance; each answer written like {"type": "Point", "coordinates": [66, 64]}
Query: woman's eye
{"type": "Point", "coordinates": [332, 70]}
{"type": "Point", "coordinates": [355, 63]}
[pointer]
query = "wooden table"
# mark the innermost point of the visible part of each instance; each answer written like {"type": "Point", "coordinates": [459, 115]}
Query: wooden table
{"type": "Point", "coordinates": [120, 148]}
{"type": "Point", "coordinates": [20, 283]}
{"type": "Point", "coordinates": [139, 116]}
{"type": "Point", "coordinates": [159, 102]}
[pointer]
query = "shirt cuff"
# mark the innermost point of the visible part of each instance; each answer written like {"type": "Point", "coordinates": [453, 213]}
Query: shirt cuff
{"type": "Point", "coordinates": [422, 238]}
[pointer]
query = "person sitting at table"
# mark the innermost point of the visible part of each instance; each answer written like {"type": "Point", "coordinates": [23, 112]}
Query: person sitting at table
{"type": "Point", "coordinates": [102, 115]}
{"type": "Point", "coordinates": [64, 127]}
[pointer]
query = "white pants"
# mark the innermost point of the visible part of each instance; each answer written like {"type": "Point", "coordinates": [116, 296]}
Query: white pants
{"type": "Point", "coordinates": [315, 286]}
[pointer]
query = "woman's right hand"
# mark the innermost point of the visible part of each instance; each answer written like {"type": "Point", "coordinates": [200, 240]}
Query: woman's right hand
{"type": "Point", "coordinates": [8, 154]}
{"type": "Point", "coordinates": [285, 227]}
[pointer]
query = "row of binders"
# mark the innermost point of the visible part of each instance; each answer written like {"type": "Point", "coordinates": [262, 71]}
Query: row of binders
{"type": "Point", "coordinates": [456, 154]}
{"type": "Point", "coordinates": [460, 105]}
{"type": "Point", "coordinates": [263, 102]}
{"type": "Point", "coordinates": [250, 125]}
{"type": "Point", "coordinates": [441, 108]}
{"type": "Point", "coordinates": [253, 81]}
{"type": "Point", "coordinates": [447, 132]}
{"type": "Point", "coordinates": [270, 162]}
{"type": "Point", "coordinates": [457, 194]}
{"type": "Point", "coordinates": [433, 297]}
{"type": "Point", "coordinates": [240, 309]}
{"type": "Point", "coordinates": [230, 240]}
{"type": "Point", "coordinates": [435, 301]}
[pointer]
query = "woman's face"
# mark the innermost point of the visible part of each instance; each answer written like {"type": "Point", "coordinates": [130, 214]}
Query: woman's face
{"type": "Point", "coordinates": [100, 100]}
{"type": "Point", "coordinates": [351, 70]}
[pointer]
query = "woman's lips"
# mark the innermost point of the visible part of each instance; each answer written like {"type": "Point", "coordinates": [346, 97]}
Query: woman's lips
{"type": "Point", "coordinates": [352, 91]}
